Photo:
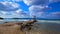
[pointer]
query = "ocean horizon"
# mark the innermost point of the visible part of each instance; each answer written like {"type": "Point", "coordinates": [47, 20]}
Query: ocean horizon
{"type": "Point", "coordinates": [27, 19]}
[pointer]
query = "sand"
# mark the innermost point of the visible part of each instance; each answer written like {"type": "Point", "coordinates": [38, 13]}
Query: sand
{"type": "Point", "coordinates": [36, 29]}
{"type": "Point", "coordinates": [14, 29]}
{"type": "Point", "coordinates": [10, 30]}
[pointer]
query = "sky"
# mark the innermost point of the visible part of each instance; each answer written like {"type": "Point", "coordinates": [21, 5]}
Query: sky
{"type": "Point", "coordinates": [49, 9]}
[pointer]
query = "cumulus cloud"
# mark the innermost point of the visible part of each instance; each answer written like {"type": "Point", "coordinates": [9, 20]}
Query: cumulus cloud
{"type": "Point", "coordinates": [39, 2]}
{"type": "Point", "coordinates": [8, 6]}
{"type": "Point", "coordinates": [36, 2]}
{"type": "Point", "coordinates": [20, 13]}
{"type": "Point", "coordinates": [14, 14]}
{"type": "Point", "coordinates": [39, 7]}
{"type": "Point", "coordinates": [10, 0]}
{"type": "Point", "coordinates": [17, 12]}
{"type": "Point", "coordinates": [17, 0]}
{"type": "Point", "coordinates": [54, 15]}
{"type": "Point", "coordinates": [38, 11]}
{"type": "Point", "coordinates": [54, 0]}
{"type": "Point", "coordinates": [3, 12]}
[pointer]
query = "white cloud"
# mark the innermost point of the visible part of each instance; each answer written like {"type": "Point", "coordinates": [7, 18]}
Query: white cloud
{"type": "Point", "coordinates": [15, 5]}
{"type": "Point", "coordinates": [39, 7]}
{"type": "Point", "coordinates": [3, 12]}
{"type": "Point", "coordinates": [18, 11]}
{"type": "Point", "coordinates": [54, 0]}
{"type": "Point", "coordinates": [38, 11]}
{"type": "Point", "coordinates": [10, 0]}
{"type": "Point", "coordinates": [54, 15]}
{"type": "Point", "coordinates": [14, 14]}
{"type": "Point", "coordinates": [16, 0]}
{"type": "Point", "coordinates": [9, 6]}
{"type": "Point", "coordinates": [39, 2]}
{"type": "Point", "coordinates": [36, 2]}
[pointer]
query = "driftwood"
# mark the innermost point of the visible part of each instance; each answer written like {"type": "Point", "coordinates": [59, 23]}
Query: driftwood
{"type": "Point", "coordinates": [28, 25]}
{"type": "Point", "coordinates": [25, 25]}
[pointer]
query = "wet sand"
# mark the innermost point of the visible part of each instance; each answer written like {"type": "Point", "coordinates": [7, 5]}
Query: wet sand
{"type": "Point", "coordinates": [40, 28]}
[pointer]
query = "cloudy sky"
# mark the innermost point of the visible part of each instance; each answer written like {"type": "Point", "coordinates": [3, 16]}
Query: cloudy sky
{"type": "Point", "coordinates": [49, 9]}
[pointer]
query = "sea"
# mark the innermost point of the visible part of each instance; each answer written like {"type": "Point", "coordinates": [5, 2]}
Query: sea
{"type": "Point", "coordinates": [48, 26]}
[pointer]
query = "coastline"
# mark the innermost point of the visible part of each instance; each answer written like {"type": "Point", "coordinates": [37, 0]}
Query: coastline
{"type": "Point", "coordinates": [39, 28]}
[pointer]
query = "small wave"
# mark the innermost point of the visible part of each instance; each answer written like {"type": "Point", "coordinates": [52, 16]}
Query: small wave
{"type": "Point", "coordinates": [43, 21]}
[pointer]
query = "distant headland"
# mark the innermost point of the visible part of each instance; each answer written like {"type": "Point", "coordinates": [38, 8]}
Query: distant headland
{"type": "Point", "coordinates": [15, 18]}
{"type": "Point", "coordinates": [1, 18]}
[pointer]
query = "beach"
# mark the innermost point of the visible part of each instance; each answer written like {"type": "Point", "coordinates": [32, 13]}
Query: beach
{"type": "Point", "coordinates": [40, 27]}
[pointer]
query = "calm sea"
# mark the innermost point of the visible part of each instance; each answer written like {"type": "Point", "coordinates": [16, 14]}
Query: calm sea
{"type": "Point", "coordinates": [18, 20]}
{"type": "Point", "coordinates": [12, 20]}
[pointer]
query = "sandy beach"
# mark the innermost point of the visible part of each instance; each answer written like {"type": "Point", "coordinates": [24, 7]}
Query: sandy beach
{"type": "Point", "coordinates": [38, 28]}
{"type": "Point", "coordinates": [14, 29]}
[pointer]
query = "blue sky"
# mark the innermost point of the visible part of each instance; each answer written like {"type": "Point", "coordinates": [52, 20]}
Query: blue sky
{"type": "Point", "coordinates": [49, 9]}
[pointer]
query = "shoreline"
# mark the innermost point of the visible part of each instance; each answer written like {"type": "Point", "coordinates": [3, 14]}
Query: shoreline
{"type": "Point", "coordinates": [40, 28]}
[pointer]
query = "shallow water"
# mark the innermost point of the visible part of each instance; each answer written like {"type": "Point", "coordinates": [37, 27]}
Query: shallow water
{"type": "Point", "coordinates": [48, 27]}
